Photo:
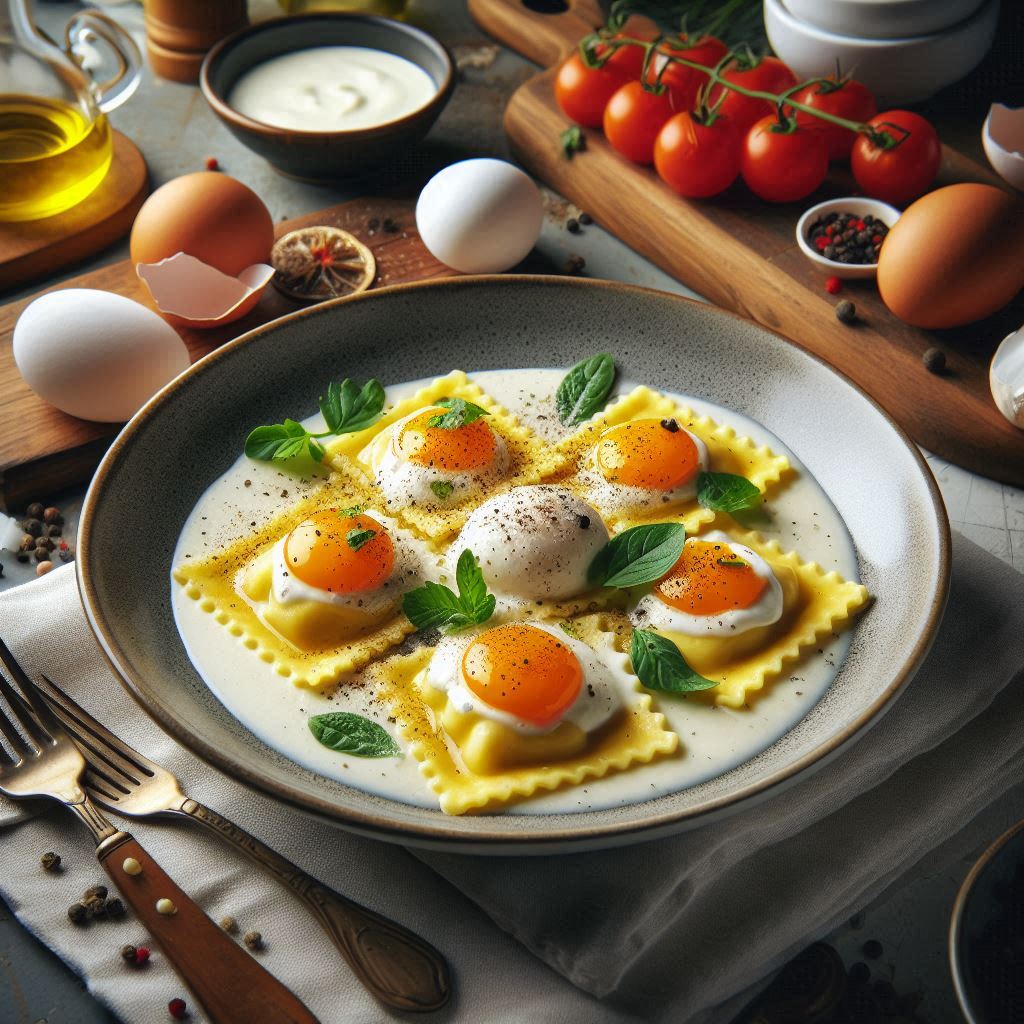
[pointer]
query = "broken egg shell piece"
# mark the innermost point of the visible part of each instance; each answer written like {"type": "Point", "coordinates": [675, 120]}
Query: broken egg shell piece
{"type": "Point", "coordinates": [1006, 377]}
{"type": "Point", "coordinates": [191, 293]}
{"type": "Point", "coordinates": [1003, 138]}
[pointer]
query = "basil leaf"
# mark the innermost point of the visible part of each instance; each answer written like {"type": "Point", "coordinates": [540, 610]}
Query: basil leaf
{"type": "Point", "coordinates": [638, 555]}
{"type": "Point", "coordinates": [348, 733]}
{"type": "Point", "coordinates": [442, 488]}
{"type": "Point", "coordinates": [347, 407]}
{"type": "Point", "coordinates": [585, 389]}
{"type": "Point", "coordinates": [266, 443]}
{"type": "Point", "coordinates": [430, 606]}
{"type": "Point", "coordinates": [659, 665]}
{"type": "Point", "coordinates": [573, 141]}
{"type": "Point", "coordinates": [460, 412]}
{"type": "Point", "coordinates": [316, 449]}
{"type": "Point", "coordinates": [356, 538]}
{"type": "Point", "coordinates": [727, 492]}
{"type": "Point", "coordinates": [476, 602]}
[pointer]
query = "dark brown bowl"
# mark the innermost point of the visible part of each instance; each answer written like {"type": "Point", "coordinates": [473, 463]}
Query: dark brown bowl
{"type": "Point", "coordinates": [326, 156]}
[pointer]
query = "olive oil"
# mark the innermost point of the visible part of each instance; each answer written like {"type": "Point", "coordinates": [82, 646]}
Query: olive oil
{"type": "Point", "coordinates": [51, 156]}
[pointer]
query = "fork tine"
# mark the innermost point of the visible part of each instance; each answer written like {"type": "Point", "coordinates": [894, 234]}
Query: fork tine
{"type": "Point", "coordinates": [98, 759]}
{"type": "Point", "coordinates": [34, 717]}
{"type": "Point", "coordinates": [95, 785]}
{"type": "Point", "coordinates": [84, 727]}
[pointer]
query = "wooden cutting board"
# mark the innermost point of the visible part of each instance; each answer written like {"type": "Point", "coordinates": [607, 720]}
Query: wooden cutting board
{"type": "Point", "coordinates": [741, 253]}
{"type": "Point", "coordinates": [35, 249]}
{"type": "Point", "coordinates": [44, 451]}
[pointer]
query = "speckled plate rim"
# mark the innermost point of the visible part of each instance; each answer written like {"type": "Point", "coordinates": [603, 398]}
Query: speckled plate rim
{"type": "Point", "coordinates": [641, 827]}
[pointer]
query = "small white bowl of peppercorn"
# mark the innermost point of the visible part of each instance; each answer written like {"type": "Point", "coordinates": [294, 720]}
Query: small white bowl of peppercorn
{"type": "Point", "coordinates": [842, 237]}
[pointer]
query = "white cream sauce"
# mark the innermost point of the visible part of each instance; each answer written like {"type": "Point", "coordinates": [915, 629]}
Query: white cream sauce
{"type": "Point", "coordinates": [332, 88]}
{"type": "Point", "coordinates": [714, 740]}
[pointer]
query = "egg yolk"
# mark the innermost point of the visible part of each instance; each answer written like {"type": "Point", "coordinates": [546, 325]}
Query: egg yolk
{"type": "Point", "coordinates": [524, 671]}
{"type": "Point", "coordinates": [467, 447]}
{"type": "Point", "coordinates": [709, 579]}
{"type": "Point", "coordinates": [654, 454]}
{"type": "Point", "coordinates": [331, 551]}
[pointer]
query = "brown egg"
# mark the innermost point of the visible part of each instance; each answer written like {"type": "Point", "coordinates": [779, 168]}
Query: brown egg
{"type": "Point", "coordinates": [955, 256]}
{"type": "Point", "coordinates": [208, 215]}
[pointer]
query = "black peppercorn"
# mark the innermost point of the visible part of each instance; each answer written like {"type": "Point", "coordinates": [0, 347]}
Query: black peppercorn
{"type": "Point", "coordinates": [129, 953]}
{"type": "Point", "coordinates": [846, 312]}
{"type": "Point", "coordinates": [78, 913]}
{"type": "Point", "coordinates": [41, 555]}
{"type": "Point", "coordinates": [22, 556]}
{"type": "Point", "coordinates": [934, 360]}
{"type": "Point", "coordinates": [585, 218]}
{"type": "Point", "coordinates": [872, 949]}
{"type": "Point", "coordinates": [574, 265]}
{"type": "Point", "coordinates": [96, 905]}
{"type": "Point", "coordinates": [572, 225]}
{"type": "Point", "coordinates": [584, 522]}
{"type": "Point", "coordinates": [35, 510]}
{"type": "Point", "coordinates": [115, 908]}
{"type": "Point", "coordinates": [33, 527]}
{"type": "Point", "coordinates": [670, 425]}
{"type": "Point", "coordinates": [53, 530]}
{"type": "Point", "coordinates": [44, 544]}
{"type": "Point", "coordinates": [50, 861]}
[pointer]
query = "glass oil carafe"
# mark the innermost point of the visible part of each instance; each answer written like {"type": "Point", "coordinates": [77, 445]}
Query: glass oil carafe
{"type": "Point", "coordinates": [55, 140]}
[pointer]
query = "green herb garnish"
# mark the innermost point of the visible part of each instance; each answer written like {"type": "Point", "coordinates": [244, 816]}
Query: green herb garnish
{"type": "Point", "coordinates": [357, 538]}
{"type": "Point", "coordinates": [584, 389]}
{"type": "Point", "coordinates": [433, 606]}
{"type": "Point", "coordinates": [460, 412]}
{"type": "Point", "coordinates": [346, 408]}
{"type": "Point", "coordinates": [734, 562]}
{"type": "Point", "coordinates": [442, 488]}
{"type": "Point", "coordinates": [727, 492]}
{"type": "Point", "coordinates": [348, 733]}
{"type": "Point", "coordinates": [638, 555]}
{"type": "Point", "coordinates": [659, 665]}
{"type": "Point", "coordinates": [573, 141]}
{"type": "Point", "coordinates": [352, 512]}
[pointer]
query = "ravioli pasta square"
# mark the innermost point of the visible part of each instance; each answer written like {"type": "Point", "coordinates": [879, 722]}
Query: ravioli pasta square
{"type": "Point", "coordinates": [429, 498]}
{"type": "Point", "coordinates": [815, 603]}
{"type": "Point", "coordinates": [311, 642]}
{"type": "Point", "coordinates": [635, 737]}
{"type": "Point", "coordinates": [727, 452]}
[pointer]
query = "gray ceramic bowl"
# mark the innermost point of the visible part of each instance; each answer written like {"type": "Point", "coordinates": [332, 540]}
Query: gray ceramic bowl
{"type": "Point", "coordinates": [323, 156]}
{"type": "Point", "coordinates": [194, 429]}
{"type": "Point", "coordinates": [977, 906]}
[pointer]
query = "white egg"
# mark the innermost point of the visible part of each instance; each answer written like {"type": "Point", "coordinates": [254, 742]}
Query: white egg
{"type": "Point", "coordinates": [404, 482]}
{"type": "Point", "coordinates": [94, 354]}
{"type": "Point", "coordinates": [600, 695]}
{"type": "Point", "coordinates": [650, 610]}
{"type": "Point", "coordinates": [534, 543]}
{"type": "Point", "coordinates": [620, 499]}
{"type": "Point", "coordinates": [480, 216]}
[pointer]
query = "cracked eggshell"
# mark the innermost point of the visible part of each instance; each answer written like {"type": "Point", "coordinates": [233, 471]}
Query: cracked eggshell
{"type": "Point", "coordinates": [1003, 138]}
{"type": "Point", "coordinates": [1006, 377]}
{"type": "Point", "coordinates": [96, 355]}
{"type": "Point", "coordinates": [191, 293]}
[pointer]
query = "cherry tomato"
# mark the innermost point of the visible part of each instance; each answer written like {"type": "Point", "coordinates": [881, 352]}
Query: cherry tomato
{"type": "Point", "coordinates": [633, 119]}
{"type": "Point", "coordinates": [782, 165]}
{"type": "Point", "coordinates": [697, 160]}
{"type": "Point", "coordinates": [904, 171]}
{"type": "Point", "coordinates": [583, 93]}
{"type": "Point", "coordinates": [845, 98]}
{"type": "Point", "coordinates": [770, 75]}
{"type": "Point", "coordinates": [684, 83]}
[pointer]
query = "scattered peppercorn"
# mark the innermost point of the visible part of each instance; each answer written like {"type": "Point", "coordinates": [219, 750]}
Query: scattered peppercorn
{"type": "Point", "coordinates": [115, 908]}
{"type": "Point", "coordinates": [52, 515]}
{"type": "Point", "coordinates": [572, 225]}
{"type": "Point", "coordinates": [585, 218]}
{"type": "Point", "coordinates": [671, 426]}
{"type": "Point", "coordinates": [35, 510]}
{"type": "Point", "coordinates": [129, 954]}
{"type": "Point", "coordinates": [66, 554]}
{"type": "Point", "coordinates": [229, 924]}
{"type": "Point", "coordinates": [212, 163]}
{"type": "Point", "coordinates": [392, 227]}
{"type": "Point", "coordinates": [248, 483]}
{"type": "Point", "coordinates": [847, 238]}
{"type": "Point", "coordinates": [78, 913]}
{"type": "Point", "coordinates": [846, 312]}
{"type": "Point", "coordinates": [934, 360]}
{"type": "Point", "coordinates": [833, 285]}
{"type": "Point", "coordinates": [45, 544]}
{"type": "Point", "coordinates": [95, 890]}
{"type": "Point", "coordinates": [142, 956]}
{"type": "Point", "coordinates": [53, 530]}
{"type": "Point", "coordinates": [43, 568]}
{"type": "Point", "coordinates": [372, 226]}
{"type": "Point", "coordinates": [872, 949]}
{"type": "Point", "coordinates": [96, 905]}
{"type": "Point", "coordinates": [177, 1009]}
{"type": "Point", "coordinates": [28, 542]}
{"type": "Point", "coordinates": [50, 861]}
{"type": "Point", "coordinates": [33, 527]}
{"type": "Point", "coordinates": [22, 556]}
{"type": "Point", "coordinates": [253, 940]}
{"type": "Point", "coordinates": [574, 265]}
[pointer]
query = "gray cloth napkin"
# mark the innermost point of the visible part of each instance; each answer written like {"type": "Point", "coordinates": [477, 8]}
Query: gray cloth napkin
{"type": "Point", "coordinates": [659, 931]}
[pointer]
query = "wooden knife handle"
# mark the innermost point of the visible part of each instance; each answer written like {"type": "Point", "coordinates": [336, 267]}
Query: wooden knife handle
{"type": "Point", "coordinates": [225, 980]}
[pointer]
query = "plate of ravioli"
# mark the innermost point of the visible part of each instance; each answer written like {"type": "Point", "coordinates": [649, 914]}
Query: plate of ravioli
{"type": "Point", "coordinates": [514, 564]}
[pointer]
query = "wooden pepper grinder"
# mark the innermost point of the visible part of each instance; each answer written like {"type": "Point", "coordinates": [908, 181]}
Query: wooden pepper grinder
{"type": "Point", "coordinates": [179, 32]}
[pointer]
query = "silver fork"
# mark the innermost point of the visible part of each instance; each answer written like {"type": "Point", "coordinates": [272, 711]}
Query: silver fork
{"type": "Point", "coordinates": [396, 965]}
{"type": "Point", "coordinates": [38, 759]}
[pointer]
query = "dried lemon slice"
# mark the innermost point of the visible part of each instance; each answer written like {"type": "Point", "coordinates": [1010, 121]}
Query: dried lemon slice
{"type": "Point", "coordinates": [318, 263]}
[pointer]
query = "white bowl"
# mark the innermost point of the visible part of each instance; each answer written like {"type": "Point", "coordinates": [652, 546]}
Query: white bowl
{"type": "Point", "coordinates": [859, 205]}
{"type": "Point", "coordinates": [897, 71]}
{"type": "Point", "coordinates": [1002, 135]}
{"type": "Point", "coordinates": [882, 19]}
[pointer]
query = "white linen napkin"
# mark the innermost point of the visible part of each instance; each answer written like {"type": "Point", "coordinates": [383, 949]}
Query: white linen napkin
{"type": "Point", "coordinates": [658, 931]}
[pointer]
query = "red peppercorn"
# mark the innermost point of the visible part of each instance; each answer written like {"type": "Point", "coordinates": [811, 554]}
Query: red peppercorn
{"type": "Point", "coordinates": [211, 163]}
{"type": "Point", "coordinates": [142, 956]}
{"type": "Point", "coordinates": [876, 239]}
{"type": "Point", "coordinates": [177, 1009]}
{"type": "Point", "coordinates": [830, 230]}
{"type": "Point", "coordinates": [821, 242]}
{"type": "Point", "coordinates": [833, 285]}
{"type": "Point", "coordinates": [860, 225]}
